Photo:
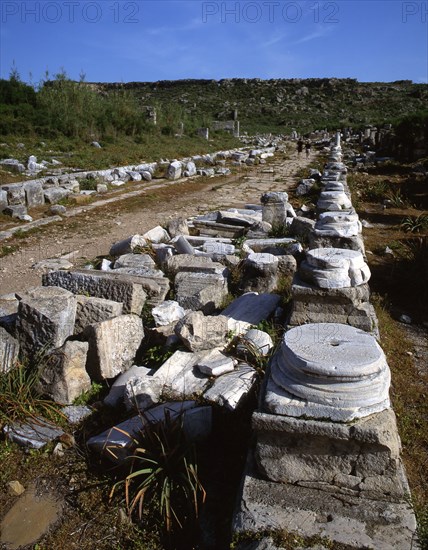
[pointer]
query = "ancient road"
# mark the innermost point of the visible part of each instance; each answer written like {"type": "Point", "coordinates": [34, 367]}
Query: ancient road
{"type": "Point", "coordinates": [90, 233]}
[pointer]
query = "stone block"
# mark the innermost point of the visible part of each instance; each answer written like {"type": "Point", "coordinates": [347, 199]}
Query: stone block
{"type": "Point", "coordinates": [35, 433]}
{"type": "Point", "coordinates": [199, 332]}
{"type": "Point", "coordinates": [34, 194]}
{"type": "Point", "coordinates": [190, 263]}
{"type": "Point", "coordinates": [9, 312]}
{"type": "Point", "coordinates": [275, 246]}
{"type": "Point", "coordinates": [249, 309]}
{"type": "Point", "coordinates": [136, 261]}
{"type": "Point", "coordinates": [15, 193]}
{"type": "Point", "coordinates": [308, 512]}
{"type": "Point", "coordinates": [3, 200]}
{"type": "Point", "coordinates": [302, 227]}
{"type": "Point", "coordinates": [332, 457]}
{"type": "Point", "coordinates": [143, 392]}
{"type": "Point", "coordinates": [55, 194]}
{"type": "Point", "coordinates": [231, 389]}
{"type": "Point", "coordinates": [259, 273]}
{"type": "Point", "coordinates": [9, 351]}
{"type": "Point", "coordinates": [157, 235]}
{"type": "Point", "coordinates": [92, 310]}
{"type": "Point", "coordinates": [119, 441]}
{"type": "Point", "coordinates": [182, 245]}
{"type": "Point", "coordinates": [63, 375]}
{"type": "Point", "coordinates": [177, 226]}
{"type": "Point", "coordinates": [113, 345]}
{"type": "Point", "coordinates": [215, 363]}
{"type": "Point", "coordinates": [100, 284]}
{"type": "Point", "coordinates": [167, 312]}
{"type": "Point", "coordinates": [17, 211]}
{"type": "Point", "coordinates": [128, 245]}
{"type": "Point", "coordinates": [46, 317]}
{"type": "Point", "coordinates": [179, 377]}
{"type": "Point", "coordinates": [174, 170]}
{"type": "Point", "coordinates": [117, 391]}
{"type": "Point", "coordinates": [236, 218]}
{"type": "Point", "coordinates": [255, 342]}
{"type": "Point", "coordinates": [201, 291]}
{"type": "Point", "coordinates": [352, 243]}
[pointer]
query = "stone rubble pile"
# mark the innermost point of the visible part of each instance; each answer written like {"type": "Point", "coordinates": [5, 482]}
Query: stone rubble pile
{"type": "Point", "coordinates": [88, 326]}
{"type": "Point", "coordinates": [326, 459]}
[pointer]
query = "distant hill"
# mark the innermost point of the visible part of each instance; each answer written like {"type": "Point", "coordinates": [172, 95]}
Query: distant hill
{"type": "Point", "coordinates": [279, 105]}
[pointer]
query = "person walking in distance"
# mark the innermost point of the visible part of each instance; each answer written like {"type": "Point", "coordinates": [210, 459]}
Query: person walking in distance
{"type": "Point", "coordinates": [299, 147]}
{"type": "Point", "coordinates": [308, 149]}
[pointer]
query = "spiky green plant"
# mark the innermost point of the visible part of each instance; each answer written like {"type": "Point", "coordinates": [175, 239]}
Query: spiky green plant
{"type": "Point", "coordinates": [163, 471]}
{"type": "Point", "coordinates": [19, 396]}
{"type": "Point", "coordinates": [415, 224]}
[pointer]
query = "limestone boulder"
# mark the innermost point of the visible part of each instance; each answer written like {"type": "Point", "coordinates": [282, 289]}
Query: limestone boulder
{"type": "Point", "coordinates": [92, 310]}
{"type": "Point", "coordinates": [167, 312]}
{"type": "Point", "coordinates": [199, 332]}
{"type": "Point", "coordinates": [46, 317]}
{"type": "Point", "coordinates": [201, 291]}
{"type": "Point", "coordinates": [63, 375]}
{"type": "Point", "coordinates": [113, 345]}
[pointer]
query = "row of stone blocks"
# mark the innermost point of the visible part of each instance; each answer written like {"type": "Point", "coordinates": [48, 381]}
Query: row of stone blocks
{"type": "Point", "coordinates": [16, 198]}
{"type": "Point", "coordinates": [326, 459]}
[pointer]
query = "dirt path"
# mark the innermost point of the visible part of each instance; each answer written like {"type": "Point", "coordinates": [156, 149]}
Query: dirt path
{"type": "Point", "coordinates": [91, 232]}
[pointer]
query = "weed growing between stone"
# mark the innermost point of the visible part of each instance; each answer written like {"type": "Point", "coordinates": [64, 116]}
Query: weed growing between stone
{"type": "Point", "coordinates": [163, 473]}
{"type": "Point", "coordinates": [415, 224]}
{"type": "Point", "coordinates": [19, 396]}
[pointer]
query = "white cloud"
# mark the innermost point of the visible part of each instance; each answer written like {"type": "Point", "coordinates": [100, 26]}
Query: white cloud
{"type": "Point", "coordinates": [319, 33]}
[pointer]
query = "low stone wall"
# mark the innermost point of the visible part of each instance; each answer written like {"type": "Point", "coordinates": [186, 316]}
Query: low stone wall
{"type": "Point", "coordinates": [18, 198]}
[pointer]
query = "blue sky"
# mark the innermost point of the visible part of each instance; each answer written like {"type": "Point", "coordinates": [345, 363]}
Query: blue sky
{"type": "Point", "coordinates": [144, 40]}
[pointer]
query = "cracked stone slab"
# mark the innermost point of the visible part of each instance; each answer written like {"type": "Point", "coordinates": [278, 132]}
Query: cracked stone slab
{"type": "Point", "coordinates": [354, 521]}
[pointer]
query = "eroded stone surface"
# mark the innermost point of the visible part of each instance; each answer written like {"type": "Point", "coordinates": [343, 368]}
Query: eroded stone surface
{"type": "Point", "coordinates": [118, 287]}
{"type": "Point", "coordinates": [328, 370]}
{"type": "Point", "coordinates": [334, 268]}
{"type": "Point", "coordinates": [63, 376]}
{"type": "Point", "coordinates": [201, 291]}
{"type": "Point", "coordinates": [91, 310]}
{"type": "Point", "coordinates": [199, 332]}
{"type": "Point", "coordinates": [9, 351]}
{"type": "Point", "coordinates": [359, 523]}
{"type": "Point", "coordinates": [46, 318]}
{"type": "Point", "coordinates": [230, 390]}
{"type": "Point", "coordinates": [113, 345]}
{"type": "Point", "coordinates": [249, 309]}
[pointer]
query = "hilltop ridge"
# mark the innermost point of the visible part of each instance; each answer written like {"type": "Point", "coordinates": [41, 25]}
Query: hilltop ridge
{"type": "Point", "coordinates": [282, 104]}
